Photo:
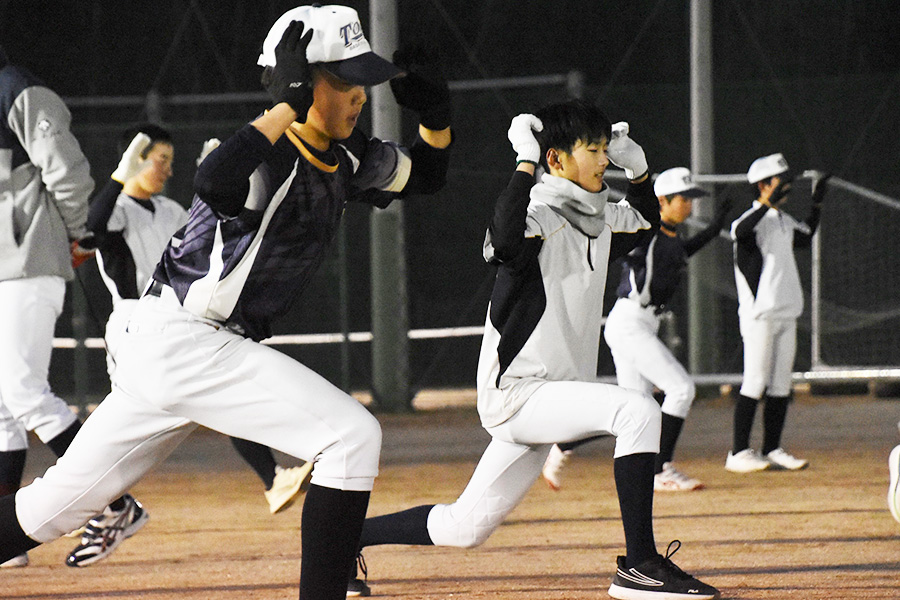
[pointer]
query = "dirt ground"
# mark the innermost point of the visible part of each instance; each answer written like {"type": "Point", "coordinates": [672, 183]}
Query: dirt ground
{"type": "Point", "coordinates": [823, 533]}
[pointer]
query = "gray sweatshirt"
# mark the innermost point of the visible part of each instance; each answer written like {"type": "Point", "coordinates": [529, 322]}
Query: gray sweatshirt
{"type": "Point", "coordinates": [45, 179]}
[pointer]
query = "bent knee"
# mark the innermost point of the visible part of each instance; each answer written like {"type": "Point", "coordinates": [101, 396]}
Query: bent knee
{"type": "Point", "coordinates": [467, 531]}
{"type": "Point", "coordinates": [638, 426]}
{"type": "Point", "coordinates": [679, 399]}
{"type": "Point", "coordinates": [642, 410]}
{"type": "Point", "coordinates": [367, 429]}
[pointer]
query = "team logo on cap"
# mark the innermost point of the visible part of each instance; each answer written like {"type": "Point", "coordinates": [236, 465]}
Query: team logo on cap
{"type": "Point", "coordinates": [352, 34]}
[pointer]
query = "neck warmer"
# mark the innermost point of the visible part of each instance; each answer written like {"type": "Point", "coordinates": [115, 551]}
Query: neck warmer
{"type": "Point", "coordinates": [583, 209]}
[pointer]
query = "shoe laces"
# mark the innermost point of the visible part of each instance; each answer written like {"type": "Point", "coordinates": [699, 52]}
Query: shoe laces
{"type": "Point", "coordinates": [667, 560]}
{"type": "Point", "coordinates": [105, 531]}
{"type": "Point", "coordinates": [671, 472]}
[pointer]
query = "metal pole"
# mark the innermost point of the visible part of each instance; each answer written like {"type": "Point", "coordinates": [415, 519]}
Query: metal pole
{"type": "Point", "coordinates": [816, 303]}
{"type": "Point", "coordinates": [390, 322]}
{"type": "Point", "coordinates": [703, 308]}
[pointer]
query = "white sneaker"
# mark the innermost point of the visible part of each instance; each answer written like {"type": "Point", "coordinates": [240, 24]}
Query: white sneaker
{"type": "Point", "coordinates": [671, 479]}
{"type": "Point", "coordinates": [16, 561]}
{"type": "Point", "coordinates": [747, 460]}
{"type": "Point", "coordinates": [782, 460]}
{"type": "Point", "coordinates": [553, 466]}
{"type": "Point", "coordinates": [894, 489]}
{"type": "Point", "coordinates": [287, 485]}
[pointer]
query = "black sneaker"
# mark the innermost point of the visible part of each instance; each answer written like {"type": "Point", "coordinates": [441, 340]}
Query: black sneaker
{"type": "Point", "coordinates": [658, 579]}
{"type": "Point", "coordinates": [106, 531]}
{"type": "Point", "coordinates": [357, 587]}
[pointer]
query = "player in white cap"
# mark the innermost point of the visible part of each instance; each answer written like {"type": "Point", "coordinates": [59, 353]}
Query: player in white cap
{"type": "Point", "coordinates": [650, 276]}
{"type": "Point", "coordinates": [268, 203]}
{"type": "Point", "coordinates": [770, 298]}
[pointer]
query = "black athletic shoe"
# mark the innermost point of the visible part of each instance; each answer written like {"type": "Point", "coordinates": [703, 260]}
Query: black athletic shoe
{"type": "Point", "coordinates": [357, 587]}
{"type": "Point", "coordinates": [106, 531]}
{"type": "Point", "coordinates": [658, 579]}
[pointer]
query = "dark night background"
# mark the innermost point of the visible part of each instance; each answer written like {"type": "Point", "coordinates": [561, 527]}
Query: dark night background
{"type": "Point", "coordinates": [818, 81]}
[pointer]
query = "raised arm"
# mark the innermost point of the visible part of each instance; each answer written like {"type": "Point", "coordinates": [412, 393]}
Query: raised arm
{"type": "Point", "coordinates": [629, 233]}
{"type": "Point", "coordinates": [507, 227]}
{"type": "Point", "coordinates": [696, 242]}
{"type": "Point", "coordinates": [803, 238]}
{"type": "Point", "coordinates": [424, 90]}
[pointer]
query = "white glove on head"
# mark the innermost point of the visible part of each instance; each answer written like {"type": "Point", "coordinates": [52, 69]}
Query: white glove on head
{"type": "Point", "coordinates": [208, 146]}
{"type": "Point", "coordinates": [522, 138]}
{"type": "Point", "coordinates": [625, 153]}
{"type": "Point", "coordinates": [131, 162]}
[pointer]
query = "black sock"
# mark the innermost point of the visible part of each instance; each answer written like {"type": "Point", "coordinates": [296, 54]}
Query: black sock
{"type": "Point", "coordinates": [634, 485]}
{"type": "Point", "coordinates": [572, 445]}
{"type": "Point", "coordinates": [259, 457]}
{"type": "Point", "coordinates": [408, 527]}
{"type": "Point", "coordinates": [12, 466]}
{"type": "Point", "coordinates": [13, 540]}
{"type": "Point", "coordinates": [744, 413]}
{"type": "Point", "coordinates": [671, 429]}
{"type": "Point", "coordinates": [774, 415]}
{"type": "Point", "coordinates": [331, 524]}
{"type": "Point", "coordinates": [61, 442]}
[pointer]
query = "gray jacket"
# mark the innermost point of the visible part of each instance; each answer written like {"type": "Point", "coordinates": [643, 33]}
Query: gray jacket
{"type": "Point", "coordinates": [45, 179]}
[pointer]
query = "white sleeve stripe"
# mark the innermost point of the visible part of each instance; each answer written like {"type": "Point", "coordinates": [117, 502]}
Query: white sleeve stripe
{"type": "Point", "coordinates": [401, 173]}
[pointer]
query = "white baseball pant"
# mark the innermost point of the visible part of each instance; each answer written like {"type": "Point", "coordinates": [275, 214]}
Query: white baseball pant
{"type": "Point", "coordinates": [642, 360]}
{"type": "Point", "coordinates": [175, 371]}
{"type": "Point", "coordinates": [769, 349]}
{"type": "Point", "coordinates": [29, 309]}
{"type": "Point", "coordinates": [115, 331]}
{"type": "Point", "coordinates": [559, 411]}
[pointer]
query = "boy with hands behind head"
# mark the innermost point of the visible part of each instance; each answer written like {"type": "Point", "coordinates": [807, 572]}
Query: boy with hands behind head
{"type": "Point", "coordinates": [770, 298]}
{"type": "Point", "coordinates": [268, 202]}
{"type": "Point", "coordinates": [537, 384]}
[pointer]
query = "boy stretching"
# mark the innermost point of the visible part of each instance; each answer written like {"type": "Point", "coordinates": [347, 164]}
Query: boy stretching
{"type": "Point", "coordinates": [537, 385]}
{"type": "Point", "coordinates": [268, 203]}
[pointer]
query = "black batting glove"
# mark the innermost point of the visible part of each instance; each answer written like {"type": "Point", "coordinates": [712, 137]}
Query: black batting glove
{"type": "Point", "coordinates": [819, 184]}
{"type": "Point", "coordinates": [291, 78]}
{"type": "Point", "coordinates": [722, 210]}
{"type": "Point", "coordinates": [423, 88]}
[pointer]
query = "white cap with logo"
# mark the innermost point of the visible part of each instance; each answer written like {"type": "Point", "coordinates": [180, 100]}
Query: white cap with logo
{"type": "Point", "coordinates": [677, 181]}
{"type": "Point", "coordinates": [767, 166]}
{"type": "Point", "coordinates": [338, 44]}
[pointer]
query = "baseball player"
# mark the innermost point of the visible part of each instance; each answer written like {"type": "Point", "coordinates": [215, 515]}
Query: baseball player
{"type": "Point", "coordinates": [769, 301]}
{"type": "Point", "coordinates": [132, 223]}
{"type": "Point", "coordinates": [268, 202]}
{"type": "Point", "coordinates": [650, 276]}
{"type": "Point", "coordinates": [537, 383]}
{"type": "Point", "coordinates": [45, 183]}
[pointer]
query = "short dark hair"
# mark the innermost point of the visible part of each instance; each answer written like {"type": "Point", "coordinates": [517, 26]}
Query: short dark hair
{"type": "Point", "coordinates": [155, 132]}
{"type": "Point", "coordinates": [567, 123]}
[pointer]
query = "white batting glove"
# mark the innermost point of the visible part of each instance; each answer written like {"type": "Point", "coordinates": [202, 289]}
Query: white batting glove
{"type": "Point", "coordinates": [521, 136]}
{"type": "Point", "coordinates": [131, 162]}
{"type": "Point", "coordinates": [625, 153]}
{"type": "Point", "coordinates": [208, 146]}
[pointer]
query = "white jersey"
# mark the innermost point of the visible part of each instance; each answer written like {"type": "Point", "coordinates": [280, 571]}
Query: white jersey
{"type": "Point", "coordinates": [765, 271]}
{"type": "Point", "coordinates": [146, 227]}
{"type": "Point", "coordinates": [546, 310]}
